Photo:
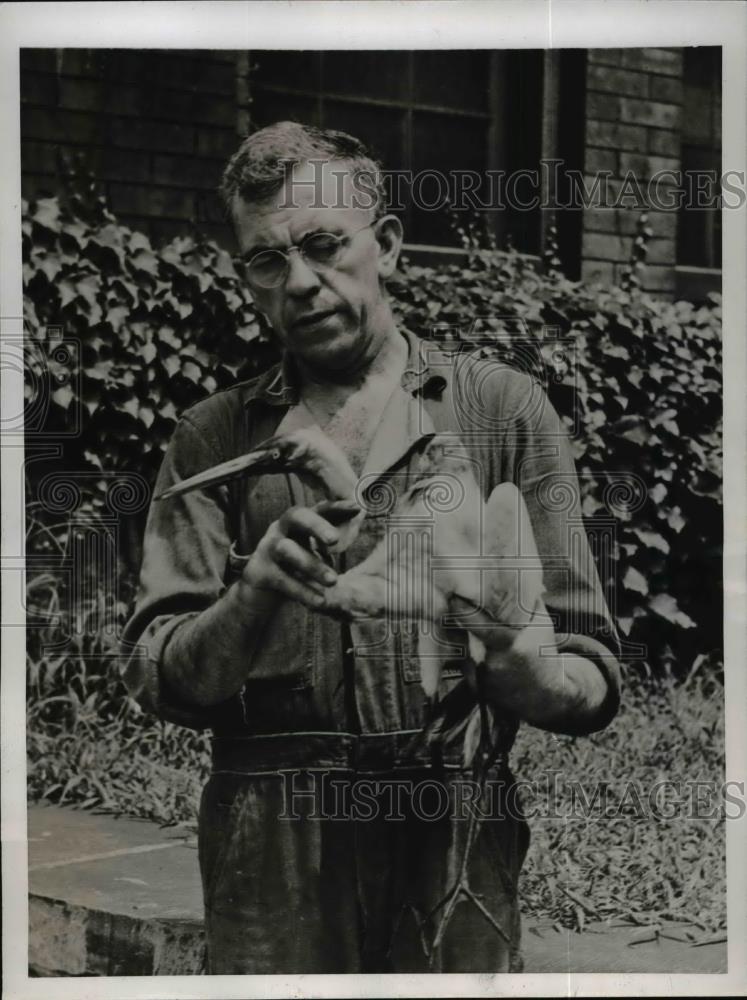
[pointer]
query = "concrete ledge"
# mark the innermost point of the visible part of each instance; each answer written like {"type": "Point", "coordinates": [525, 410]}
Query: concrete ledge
{"type": "Point", "coordinates": [70, 940]}
{"type": "Point", "coordinates": [112, 897]}
{"type": "Point", "coordinates": [121, 897]}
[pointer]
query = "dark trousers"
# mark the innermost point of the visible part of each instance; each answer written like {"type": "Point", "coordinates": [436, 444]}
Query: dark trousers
{"type": "Point", "coordinates": [332, 872]}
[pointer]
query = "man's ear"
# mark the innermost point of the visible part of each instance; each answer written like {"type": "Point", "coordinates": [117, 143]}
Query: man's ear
{"type": "Point", "coordinates": [389, 237]}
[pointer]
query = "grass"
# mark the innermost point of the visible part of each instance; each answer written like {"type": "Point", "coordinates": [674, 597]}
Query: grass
{"type": "Point", "coordinates": [619, 859]}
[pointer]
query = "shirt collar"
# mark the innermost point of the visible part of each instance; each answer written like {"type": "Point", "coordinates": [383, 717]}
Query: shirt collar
{"type": "Point", "coordinates": [279, 385]}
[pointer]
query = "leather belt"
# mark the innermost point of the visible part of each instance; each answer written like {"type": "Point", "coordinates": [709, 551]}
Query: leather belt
{"type": "Point", "coordinates": [369, 753]}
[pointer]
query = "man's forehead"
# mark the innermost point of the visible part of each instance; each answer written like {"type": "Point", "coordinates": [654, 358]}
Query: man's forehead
{"type": "Point", "coordinates": [317, 193]}
{"type": "Point", "coordinates": [320, 183]}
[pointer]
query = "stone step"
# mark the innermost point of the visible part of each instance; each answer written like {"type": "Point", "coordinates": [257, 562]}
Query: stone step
{"type": "Point", "coordinates": [112, 897]}
{"type": "Point", "coordinates": [122, 897]}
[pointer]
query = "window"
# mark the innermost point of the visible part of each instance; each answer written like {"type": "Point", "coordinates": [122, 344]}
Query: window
{"type": "Point", "coordinates": [423, 111]}
{"type": "Point", "coordinates": [699, 239]}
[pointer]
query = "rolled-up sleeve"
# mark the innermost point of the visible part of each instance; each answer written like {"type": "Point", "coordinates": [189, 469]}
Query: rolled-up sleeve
{"type": "Point", "coordinates": [185, 552]}
{"type": "Point", "coordinates": [535, 454]}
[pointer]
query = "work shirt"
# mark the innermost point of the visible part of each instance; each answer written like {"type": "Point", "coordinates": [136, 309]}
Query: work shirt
{"type": "Point", "coordinates": [322, 696]}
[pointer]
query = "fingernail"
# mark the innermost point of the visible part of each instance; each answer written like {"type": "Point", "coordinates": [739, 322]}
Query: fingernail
{"type": "Point", "coordinates": [329, 576]}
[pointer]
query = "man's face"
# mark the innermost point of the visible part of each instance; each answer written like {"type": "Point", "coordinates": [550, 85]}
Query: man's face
{"type": "Point", "coordinates": [331, 318]}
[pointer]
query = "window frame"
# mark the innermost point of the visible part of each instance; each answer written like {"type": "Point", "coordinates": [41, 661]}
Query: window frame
{"type": "Point", "coordinates": [493, 117]}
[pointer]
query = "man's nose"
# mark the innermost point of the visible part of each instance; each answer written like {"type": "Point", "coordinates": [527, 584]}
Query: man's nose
{"type": "Point", "coordinates": [301, 278]}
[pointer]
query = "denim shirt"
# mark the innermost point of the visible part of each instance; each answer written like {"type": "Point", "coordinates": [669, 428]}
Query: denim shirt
{"type": "Point", "coordinates": [196, 545]}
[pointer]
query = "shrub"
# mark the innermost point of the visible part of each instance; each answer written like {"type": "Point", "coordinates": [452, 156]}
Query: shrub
{"type": "Point", "coordinates": [638, 380]}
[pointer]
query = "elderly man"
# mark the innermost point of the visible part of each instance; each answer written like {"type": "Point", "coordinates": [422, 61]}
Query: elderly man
{"type": "Point", "coordinates": [230, 629]}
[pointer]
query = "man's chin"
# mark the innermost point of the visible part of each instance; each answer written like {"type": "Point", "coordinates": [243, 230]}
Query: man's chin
{"type": "Point", "coordinates": [333, 348]}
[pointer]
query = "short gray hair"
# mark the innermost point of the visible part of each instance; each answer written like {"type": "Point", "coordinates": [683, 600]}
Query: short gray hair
{"type": "Point", "coordinates": [259, 166]}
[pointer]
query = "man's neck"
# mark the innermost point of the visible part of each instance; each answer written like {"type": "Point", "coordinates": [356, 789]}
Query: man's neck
{"type": "Point", "coordinates": [359, 399]}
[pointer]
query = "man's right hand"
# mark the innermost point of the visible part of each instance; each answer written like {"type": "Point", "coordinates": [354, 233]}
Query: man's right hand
{"type": "Point", "coordinates": [284, 561]}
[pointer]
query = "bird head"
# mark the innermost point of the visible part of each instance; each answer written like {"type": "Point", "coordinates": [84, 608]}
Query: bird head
{"type": "Point", "coordinates": [306, 451]}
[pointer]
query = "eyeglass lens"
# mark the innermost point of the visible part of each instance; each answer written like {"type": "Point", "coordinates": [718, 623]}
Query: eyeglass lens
{"type": "Point", "coordinates": [270, 266]}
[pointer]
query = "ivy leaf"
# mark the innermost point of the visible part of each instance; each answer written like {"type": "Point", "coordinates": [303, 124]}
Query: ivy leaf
{"type": "Point", "coordinates": [666, 606]}
{"type": "Point", "coordinates": [138, 241]}
{"type": "Point", "coordinates": [100, 371]}
{"type": "Point", "coordinates": [145, 260]}
{"type": "Point", "coordinates": [146, 414]}
{"type": "Point", "coordinates": [63, 396]}
{"type": "Point", "coordinates": [167, 335]}
{"type": "Point", "coordinates": [675, 520]}
{"type": "Point", "coordinates": [191, 371]}
{"type": "Point", "coordinates": [172, 364]}
{"type": "Point", "coordinates": [168, 411]}
{"type": "Point", "coordinates": [47, 213]}
{"type": "Point", "coordinates": [224, 265]}
{"type": "Point", "coordinates": [50, 265]}
{"type": "Point", "coordinates": [248, 332]}
{"type": "Point", "coordinates": [652, 540]}
{"type": "Point", "coordinates": [635, 581]}
{"type": "Point", "coordinates": [67, 292]}
{"type": "Point", "coordinates": [658, 493]}
{"type": "Point", "coordinates": [131, 406]}
{"type": "Point", "coordinates": [637, 434]}
{"type": "Point", "coordinates": [116, 316]}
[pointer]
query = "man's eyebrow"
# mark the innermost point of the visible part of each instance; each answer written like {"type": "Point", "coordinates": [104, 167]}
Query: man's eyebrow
{"type": "Point", "coordinates": [246, 254]}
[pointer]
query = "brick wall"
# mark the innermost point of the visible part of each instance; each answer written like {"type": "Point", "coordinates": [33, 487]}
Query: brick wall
{"type": "Point", "coordinates": [633, 108]}
{"type": "Point", "coordinates": [155, 127]}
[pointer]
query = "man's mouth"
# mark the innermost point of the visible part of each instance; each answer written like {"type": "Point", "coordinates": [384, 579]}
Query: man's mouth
{"type": "Point", "coordinates": [311, 319]}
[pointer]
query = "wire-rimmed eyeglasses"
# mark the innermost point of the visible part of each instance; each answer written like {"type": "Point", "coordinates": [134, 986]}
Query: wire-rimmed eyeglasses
{"type": "Point", "coordinates": [269, 268]}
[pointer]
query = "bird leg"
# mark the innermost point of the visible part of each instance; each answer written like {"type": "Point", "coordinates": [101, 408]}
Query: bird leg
{"type": "Point", "coordinates": [461, 887]}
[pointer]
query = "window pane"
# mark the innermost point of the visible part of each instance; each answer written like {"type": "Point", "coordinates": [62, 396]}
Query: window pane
{"type": "Point", "coordinates": [366, 74]}
{"type": "Point", "coordinates": [379, 128]}
{"type": "Point", "coordinates": [298, 70]}
{"type": "Point", "coordinates": [522, 113]}
{"type": "Point", "coordinates": [699, 234]}
{"type": "Point", "coordinates": [441, 144]}
{"type": "Point", "coordinates": [699, 231]}
{"type": "Point", "coordinates": [452, 79]}
{"type": "Point", "coordinates": [269, 107]}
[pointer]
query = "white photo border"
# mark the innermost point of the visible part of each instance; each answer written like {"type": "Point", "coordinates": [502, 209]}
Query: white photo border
{"type": "Point", "coordinates": [348, 24]}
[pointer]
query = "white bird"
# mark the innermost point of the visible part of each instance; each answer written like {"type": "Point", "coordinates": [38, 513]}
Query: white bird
{"type": "Point", "coordinates": [442, 542]}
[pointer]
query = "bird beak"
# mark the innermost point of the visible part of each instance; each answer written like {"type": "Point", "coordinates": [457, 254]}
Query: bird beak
{"type": "Point", "coordinates": [263, 459]}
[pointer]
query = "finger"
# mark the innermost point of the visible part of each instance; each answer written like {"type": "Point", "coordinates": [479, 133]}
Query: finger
{"type": "Point", "coordinates": [302, 564]}
{"type": "Point", "coordinates": [296, 590]}
{"type": "Point", "coordinates": [338, 512]}
{"type": "Point", "coordinates": [303, 522]}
